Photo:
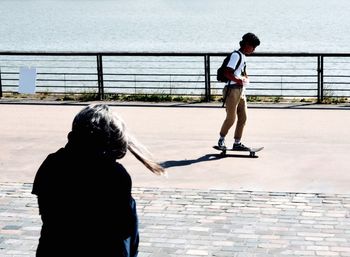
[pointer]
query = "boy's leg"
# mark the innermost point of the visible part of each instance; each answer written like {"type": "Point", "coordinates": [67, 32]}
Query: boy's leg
{"type": "Point", "coordinates": [241, 117]}
{"type": "Point", "coordinates": [232, 101]}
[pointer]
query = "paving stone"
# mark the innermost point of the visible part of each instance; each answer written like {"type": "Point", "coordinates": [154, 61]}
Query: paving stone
{"type": "Point", "coordinates": [191, 222]}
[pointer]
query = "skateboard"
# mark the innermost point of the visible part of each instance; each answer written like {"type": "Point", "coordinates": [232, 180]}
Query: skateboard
{"type": "Point", "coordinates": [251, 150]}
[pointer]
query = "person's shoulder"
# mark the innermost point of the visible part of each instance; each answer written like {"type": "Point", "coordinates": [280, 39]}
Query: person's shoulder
{"type": "Point", "coordinates": [118, 166]}
{"type": "Point", "coordinates": [120, 171]}
{"type": "Point", "coordinates": [239, 54]}
{"type": "Point", "coordinates": [53, 157]}
{"type": "Point", "coordinates": [46, 169]}
{"type": "Point", "coordinates": [235, 55]}
{"type": "Point", "coordinates": [119, 174]}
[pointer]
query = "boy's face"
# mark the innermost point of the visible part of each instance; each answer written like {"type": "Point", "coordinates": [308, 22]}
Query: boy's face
{"type": "Point", "coordinates": [248, 49]}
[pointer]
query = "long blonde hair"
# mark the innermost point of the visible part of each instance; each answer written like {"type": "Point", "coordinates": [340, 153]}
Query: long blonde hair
{"type": "Point", "coordinates": [107, 132]}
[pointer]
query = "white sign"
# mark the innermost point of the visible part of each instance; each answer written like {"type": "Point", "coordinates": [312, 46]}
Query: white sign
{"type": "Point", "coordinates": [27, 79]}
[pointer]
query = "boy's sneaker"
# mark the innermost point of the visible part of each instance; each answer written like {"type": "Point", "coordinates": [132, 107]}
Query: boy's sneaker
{"type": "Point", "coordinates": [221, 143]}
{"type": "Point", "coordinates": [240, 147]}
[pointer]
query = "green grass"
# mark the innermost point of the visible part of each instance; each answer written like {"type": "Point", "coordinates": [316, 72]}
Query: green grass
{"type": "Point", "coordinates": [335, 100]}
{"type": "Point", "coordinates": [265, 99]}
{"type": "Point", "coordinates": [157, 98]}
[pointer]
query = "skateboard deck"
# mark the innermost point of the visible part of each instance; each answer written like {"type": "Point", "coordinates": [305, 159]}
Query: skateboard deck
{"type": "Point", "coordinates": [251, 150]}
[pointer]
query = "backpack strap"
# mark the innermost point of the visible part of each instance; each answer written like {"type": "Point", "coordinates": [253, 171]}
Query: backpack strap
{"type": "Point", "coordinates": [239, 60]}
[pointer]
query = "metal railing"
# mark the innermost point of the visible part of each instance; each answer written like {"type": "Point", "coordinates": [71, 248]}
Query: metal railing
{"type": "Point", "coordinates": [299, 75]}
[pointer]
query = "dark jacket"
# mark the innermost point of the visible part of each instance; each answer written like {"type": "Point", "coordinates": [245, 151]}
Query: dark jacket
{"type": "Point", "coordinates": [85, 205]}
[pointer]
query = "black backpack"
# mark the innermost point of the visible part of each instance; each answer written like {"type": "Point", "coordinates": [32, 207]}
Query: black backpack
{"type": "Point", "coordinates": [220, 76]}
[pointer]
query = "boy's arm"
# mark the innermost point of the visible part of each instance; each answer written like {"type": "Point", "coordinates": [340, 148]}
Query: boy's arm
{"type": "Point", "coordinates": [229, 73]}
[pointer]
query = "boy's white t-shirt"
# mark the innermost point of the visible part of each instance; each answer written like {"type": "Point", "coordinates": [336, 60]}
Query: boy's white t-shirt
{"type": "Point", "coordinates": [233, 62]}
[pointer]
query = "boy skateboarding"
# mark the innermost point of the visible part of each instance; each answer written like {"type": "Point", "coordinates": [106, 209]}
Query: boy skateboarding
{"type": "Point", "coordinates": [235, 99]}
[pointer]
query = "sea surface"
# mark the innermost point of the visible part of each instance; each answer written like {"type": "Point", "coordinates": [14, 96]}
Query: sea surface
{"type": "Point", "coordinates": [174, 25]}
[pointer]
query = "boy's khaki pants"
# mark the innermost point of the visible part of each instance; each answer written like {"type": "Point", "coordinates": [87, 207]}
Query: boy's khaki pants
{"type": "Point", "coordinates": [236, 105]}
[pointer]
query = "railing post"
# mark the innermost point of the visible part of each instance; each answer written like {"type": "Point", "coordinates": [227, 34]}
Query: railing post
{"type": "Point", "coordinates": [319, 78]}
{"type": "Point", "coordinates": [0, 85]}
{"type": "Point", "coordinates": [100, 77]}
{"type": "Point", "coordinates": [207, 77]}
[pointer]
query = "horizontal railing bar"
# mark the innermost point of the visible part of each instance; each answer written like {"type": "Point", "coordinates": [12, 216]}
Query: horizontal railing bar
{"type": "Point", "coordinates": [337, 83]}
{"type": "Point", "coordinates": [283, 82]}
{"type": "Point", "coordinates": [278, 76]}
{"type": "Point", "coordinates": [336, 76]}
{"type": "Point", "coordinates": [101, 53]}
{"type": "Point", "coordinates": [173, 74]}
{"type": "Point", "coordinates": [269, 54]}
{"type": "Point", "coordinates": [155, 81]}
{"type": "Point", "coordinates": [172, 81]}
{"type": "Point", "coordinates": [111, 74]}
{"type": "Point", "coordinates": [281, 89]}
{"type": "Point", "coordinates": [153, 74]}
{"type": "Point", "coordinates": [69, 80]}
{"type": "Point", "coordinates": [168, 88]}
{"type": "Point", "coordinates": [89, 67]}
{"type": "Point", "coordinates": [172, 88]}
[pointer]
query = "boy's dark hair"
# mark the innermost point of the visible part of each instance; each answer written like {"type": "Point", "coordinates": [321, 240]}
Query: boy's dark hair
{"type": "Point", "coordinates": [250, 39]}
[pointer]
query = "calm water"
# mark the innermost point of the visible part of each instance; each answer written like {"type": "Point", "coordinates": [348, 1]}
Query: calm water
{"type": "Point", "coordinates": [173, 25]}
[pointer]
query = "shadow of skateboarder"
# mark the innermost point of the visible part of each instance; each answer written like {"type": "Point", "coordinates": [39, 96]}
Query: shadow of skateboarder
{"type": "Point", "coordinates": [205, 158]}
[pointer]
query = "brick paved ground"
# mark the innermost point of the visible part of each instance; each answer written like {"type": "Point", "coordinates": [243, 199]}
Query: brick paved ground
{"type": "Point", "coordinates": [185, 222]}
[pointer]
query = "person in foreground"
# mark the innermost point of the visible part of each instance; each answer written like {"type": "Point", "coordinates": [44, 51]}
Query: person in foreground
{"type": "Point", "coordinates": [84, 195]}
{"type": "Point", "coordinates": [234, 91]}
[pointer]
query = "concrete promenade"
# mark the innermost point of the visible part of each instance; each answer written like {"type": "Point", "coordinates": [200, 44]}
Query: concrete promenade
{"type": "Point", "coordinates": [293, 200]}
